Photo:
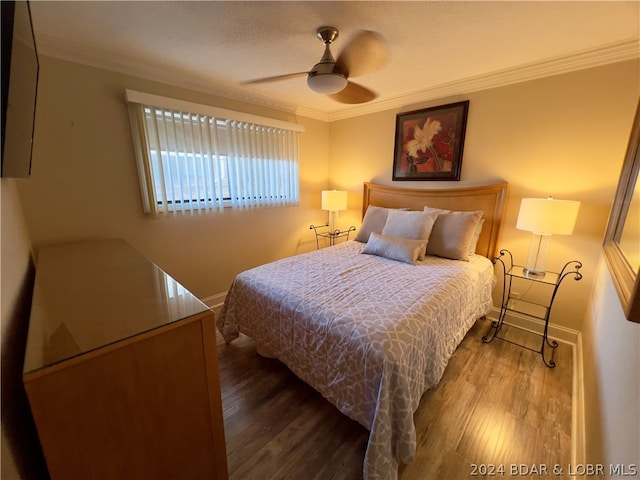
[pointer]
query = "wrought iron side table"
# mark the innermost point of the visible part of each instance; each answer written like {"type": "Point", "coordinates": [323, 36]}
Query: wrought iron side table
{"type": "Point", "coordinates": [331, 235]}
{"type": "Point", "coordinates": [539, 311]}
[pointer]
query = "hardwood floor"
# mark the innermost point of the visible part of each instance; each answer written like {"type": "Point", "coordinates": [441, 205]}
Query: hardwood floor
{"type": "Point", "coordinates": [496, 404]}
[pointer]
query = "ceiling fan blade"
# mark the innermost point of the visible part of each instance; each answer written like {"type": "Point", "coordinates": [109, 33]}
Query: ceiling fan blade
{"type": "Point", "coordinates": [275, 78]}
{"type": "Point", "coordinates": [354, 93]}
{"type": "Point", "coordinates": [366, 52]}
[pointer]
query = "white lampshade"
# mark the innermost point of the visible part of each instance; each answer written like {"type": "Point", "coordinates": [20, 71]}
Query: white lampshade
{"type": "Point", "coordinates": [546, 216]}
{"type": "Point", "coordinates": [334, 200]}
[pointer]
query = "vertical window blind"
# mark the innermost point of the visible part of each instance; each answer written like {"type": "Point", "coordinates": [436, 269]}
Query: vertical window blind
{"type": "Point", "coordinates": [193, 161]}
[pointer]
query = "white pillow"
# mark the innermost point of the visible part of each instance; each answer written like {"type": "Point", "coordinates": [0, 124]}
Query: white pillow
{"type": "Point", "coordinates": [373, 221]}
{"type": "Point", "coordinates": [394, 248]}
{"type": "Point", "coordinates": [476, 237]}
{"type": "Point", "coordinates": [414, 225]}
{"type": "Point", "coordinates": [476, 234]}
{"type": "Point", "coordinates": [454, 234]}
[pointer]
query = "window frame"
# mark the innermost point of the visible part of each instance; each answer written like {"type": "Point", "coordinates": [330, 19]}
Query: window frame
{"type": "Point", "coordinates": [252, 138]}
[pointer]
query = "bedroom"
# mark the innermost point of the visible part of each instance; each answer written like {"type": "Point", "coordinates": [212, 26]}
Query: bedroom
{"type": "Point", "coordinates": [564, 134]}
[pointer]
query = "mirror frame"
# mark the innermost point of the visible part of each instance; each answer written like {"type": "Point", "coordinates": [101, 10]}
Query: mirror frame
{"type": "Point", "coordinates": [625, 279]}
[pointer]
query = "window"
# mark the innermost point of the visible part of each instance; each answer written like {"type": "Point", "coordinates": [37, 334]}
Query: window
{"type": "Point", "coordinates": [193, 157]}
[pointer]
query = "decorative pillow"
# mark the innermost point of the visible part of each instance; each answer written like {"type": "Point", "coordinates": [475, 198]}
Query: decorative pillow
{"type": "Point", "coordinates": [476, 237]}
{"type": "Point", "coordinates": [476, 234]}
{"type": "Point", "coordinates": [453, 233]}
{"type": "Point", "coordinates": [414, 225]}
{"type": "Point", "coordinates": [373, 221]}
{"type": "Point", "coordinates": [394, 248]}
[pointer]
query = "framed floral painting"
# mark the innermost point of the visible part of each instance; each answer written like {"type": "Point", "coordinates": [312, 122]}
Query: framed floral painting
{"type": "Point", "coordinates": [429, 143]}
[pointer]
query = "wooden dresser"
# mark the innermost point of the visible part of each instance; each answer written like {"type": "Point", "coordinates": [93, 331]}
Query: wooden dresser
{"type": "Point", "coordinates": [121, 368]}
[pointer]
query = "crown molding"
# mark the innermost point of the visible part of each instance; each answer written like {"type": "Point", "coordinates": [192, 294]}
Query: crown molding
{"type": "Point", "coordinates": [615, 52]}
{"type": "Point", "coordinates": [628, 49]}
{"type": "Point", "coordinates": [104, 60]}
{"type": "Point", "coordinates": [312, 113]}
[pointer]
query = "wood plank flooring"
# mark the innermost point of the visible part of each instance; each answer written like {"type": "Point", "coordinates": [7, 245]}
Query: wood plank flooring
{"type": "Point", "coordinates": [496, 404]}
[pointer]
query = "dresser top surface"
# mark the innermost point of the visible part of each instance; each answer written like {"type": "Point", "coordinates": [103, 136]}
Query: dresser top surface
{"type": "Point", "coordinates": [88, 295]}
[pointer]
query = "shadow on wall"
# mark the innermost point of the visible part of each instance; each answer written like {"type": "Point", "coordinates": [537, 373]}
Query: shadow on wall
{"type": "Point", "coordinates": [17, 422]}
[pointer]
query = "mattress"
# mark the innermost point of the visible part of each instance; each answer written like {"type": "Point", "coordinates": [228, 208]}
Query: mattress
{"type": "Point", "coordinates": [370, 334]}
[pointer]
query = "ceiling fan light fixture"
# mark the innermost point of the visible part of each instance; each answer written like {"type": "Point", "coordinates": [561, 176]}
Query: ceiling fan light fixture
{"type": "Point", "coordinates": [327, 83]}
{"type": "Point", "coordinates": [366, 52]}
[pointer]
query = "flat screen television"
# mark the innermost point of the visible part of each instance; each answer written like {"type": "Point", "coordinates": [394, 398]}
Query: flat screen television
{"type": "Point", "coordinates": [20, 69]}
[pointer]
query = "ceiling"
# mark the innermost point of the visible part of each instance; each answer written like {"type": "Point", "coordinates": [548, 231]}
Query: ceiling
{"type": "Point", "coordinates": [437, 48]}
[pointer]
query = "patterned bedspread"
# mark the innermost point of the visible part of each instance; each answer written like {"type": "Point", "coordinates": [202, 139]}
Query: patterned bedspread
{"type": "Point", "coordinates": [370, 334]}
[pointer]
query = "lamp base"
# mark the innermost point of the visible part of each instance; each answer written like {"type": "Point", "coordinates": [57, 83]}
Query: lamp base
{"type": "Point", "coordinates": [333, 221]}
{"type": "Point", "coordinates": [537, 260]}
{"type": "Point", "coordinates": [532, 273]}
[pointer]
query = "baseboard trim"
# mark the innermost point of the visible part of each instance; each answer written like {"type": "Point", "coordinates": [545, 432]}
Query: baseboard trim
{"type": "Point", "coordinates": [557, 332]}
{"type": "Point", "coordinates": [574, 338]}
{"type": "Point", "coordinates": [214, 302]}
{"type": "Point", "coordinates": [578, 439]}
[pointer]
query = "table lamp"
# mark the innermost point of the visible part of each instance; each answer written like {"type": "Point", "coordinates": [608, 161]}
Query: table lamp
{"type": "Point", "coordinates": [544, 217]}
{"type": "Point", "coordinates": [334, 201]}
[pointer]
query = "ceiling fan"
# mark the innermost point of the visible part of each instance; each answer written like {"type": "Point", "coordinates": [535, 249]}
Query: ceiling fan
{"type": "Point", "coordinates": [365, 53]}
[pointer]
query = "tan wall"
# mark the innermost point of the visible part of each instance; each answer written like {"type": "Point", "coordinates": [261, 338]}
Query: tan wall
{"type": "Point", "coordinates": [611, 362]}
{"type": "Point", "coordinates": [564, 136]}
{"type": "Point", "coordinates": [21, 453]}
{"type": "Point", "coordinates": [84, 183]}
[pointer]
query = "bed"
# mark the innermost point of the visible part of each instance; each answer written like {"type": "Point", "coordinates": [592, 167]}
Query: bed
{"type": "Point", "coordinates": [371, 323]}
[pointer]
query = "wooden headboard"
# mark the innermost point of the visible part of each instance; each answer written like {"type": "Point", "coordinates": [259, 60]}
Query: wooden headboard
{"type": "Point", "coordinates": [491, 199]}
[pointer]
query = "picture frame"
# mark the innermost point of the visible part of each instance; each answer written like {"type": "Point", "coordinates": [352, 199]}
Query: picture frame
{"type": "Point", "coordinates": [620, 244]}
{"type": "Point", "coordinates": [429, 143]}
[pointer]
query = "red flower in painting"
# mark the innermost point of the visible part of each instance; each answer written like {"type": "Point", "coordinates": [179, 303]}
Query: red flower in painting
{"type": "Point", "coordinates": [428, 144]}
